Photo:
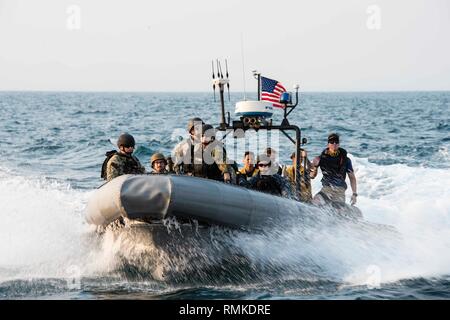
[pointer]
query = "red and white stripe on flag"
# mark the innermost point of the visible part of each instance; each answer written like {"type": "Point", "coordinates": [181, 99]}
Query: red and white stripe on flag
{"type": "Point", "coordinates": [271, 90]}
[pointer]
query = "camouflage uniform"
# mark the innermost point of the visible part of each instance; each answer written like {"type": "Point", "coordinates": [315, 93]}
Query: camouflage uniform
{"type": "Point", "coordinates": [189, 158]}
{"type": "Point", "coordinates": [305, 186]}
{"type": "Point", "coordinates": [156, 173]}
{"type": "Point", "coordinates": [121, 164]}
{"type": "Point", "coordinates": [219, 156]}
{"type": "Point", "coordinates": [183, 155]}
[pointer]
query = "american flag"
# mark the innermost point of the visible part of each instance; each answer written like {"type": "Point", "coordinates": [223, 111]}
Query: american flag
{"type": "Point", "coordinates": [271, 90]}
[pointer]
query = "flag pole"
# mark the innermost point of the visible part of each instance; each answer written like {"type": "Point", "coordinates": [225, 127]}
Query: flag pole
{"type": "Point", "coordinates": [259, 86]}
{"type": "Point", "coordinates": [257, 76]}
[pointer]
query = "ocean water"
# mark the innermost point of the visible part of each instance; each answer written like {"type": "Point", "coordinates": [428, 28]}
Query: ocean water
{"type": "Point", "coordinates": [52, 146]}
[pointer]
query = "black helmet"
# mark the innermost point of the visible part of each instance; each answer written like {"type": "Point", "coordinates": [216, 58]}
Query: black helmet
{"type": "Point", "coordinates": [125, 140]}
{"type": "Point", "coordinates": [210, 129]}
{"type": "Point", "coordinates": [192, 122]}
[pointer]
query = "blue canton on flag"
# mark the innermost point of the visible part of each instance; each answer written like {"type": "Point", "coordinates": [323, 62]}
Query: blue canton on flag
{"type": "Point", "coordinates": [271, 90]}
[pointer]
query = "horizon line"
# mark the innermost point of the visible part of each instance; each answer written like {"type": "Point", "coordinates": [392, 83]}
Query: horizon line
{"type": "Point", "coordinates": [231, 92]}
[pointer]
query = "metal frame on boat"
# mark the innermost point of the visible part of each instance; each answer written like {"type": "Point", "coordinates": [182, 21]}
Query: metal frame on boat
{"type": "Point", "coordinates": [257, 123]}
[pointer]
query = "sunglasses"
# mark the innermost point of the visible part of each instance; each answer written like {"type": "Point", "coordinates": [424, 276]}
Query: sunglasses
{"type": "Point", "coordinates": [263, 165]}
{"type": "Point", "coordinates": [333, 142]}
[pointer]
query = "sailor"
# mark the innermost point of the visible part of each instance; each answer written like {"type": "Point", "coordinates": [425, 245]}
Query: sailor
{"type": "Point", "coordinates": [184, 153]}
{"type": "Point", "coordinates": [169, 166]}
{"type": "Point", "coordinates": [335, 165]}
{"type": "Point", "coordinates": [305, 194]}
{"type": "Point", "coordinates": [269, 181]}
{"type": "Point", "coordinates": [158, 163]}
{"type": "Point", "coordinates": [213, 162]}
{"type": "Point", "coordinates": [234, 172]}
{"type": "Point", "coordinates": [249, 169]}
{"type": "Point", "coordinates": [272, 154]}
{"type": "Point", "coordinates": [121, 162]}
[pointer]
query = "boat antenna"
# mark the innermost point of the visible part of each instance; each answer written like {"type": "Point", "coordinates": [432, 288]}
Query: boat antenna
{"type": "Point", "coordinates": [214, 77]}
{"type": "Point", "coordinates": [227, 75]}
{"type": "Point", "coordinates": [243, 65]}
{"type": "Point", "coordinates": [218, 67]}
{"type": "Point", "coordinates": [220, 82]}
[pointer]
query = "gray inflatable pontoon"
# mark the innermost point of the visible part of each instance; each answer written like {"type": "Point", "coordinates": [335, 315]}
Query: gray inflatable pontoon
{"type": "Point", "coordinates": [158, 197]}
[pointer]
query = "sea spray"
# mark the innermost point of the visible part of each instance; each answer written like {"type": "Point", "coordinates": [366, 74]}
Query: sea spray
{"type": "Point", "coordinates": [45, 236]}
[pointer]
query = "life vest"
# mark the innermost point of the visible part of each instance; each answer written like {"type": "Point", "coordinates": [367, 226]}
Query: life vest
{"type": "Point", "coordinates": [132, 165]}
{"type": "Point", "coordinates": [305, 193]}
{"type": "Point", "coordinates": [203, 170]}
{"type": "Point", "coordinates": [289, 172]}
{"type": "Point", "coordinates": [108, 156]}
{"type": "Point", "coordinates": [334, 168]}
{"type": "Point", "coordinates": [209, 171]}
{"type": "Point", "coordinates": [193, 161]}
{"type": "Point", "coordinates": [268, 184]}
{"type": "Point", "coordinates": [246, 174]}
{"type": "Point", "coordinates": [189, 167]}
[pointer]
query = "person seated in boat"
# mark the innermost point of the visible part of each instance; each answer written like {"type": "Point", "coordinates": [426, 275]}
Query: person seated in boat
{"type": "Point", "coordinates": [184, 152]}
{"type": "Point", "coordinates": [249, 169]}
{"type": "Point", "coordinates": [121, 162]}
{"type": "Point", "coordinates": [305, 194]}
{"type": "Point", "coordinates": [268, 180]}
{"type": "Point", "coordinates": [212, 163]}
{"type": "Point", "coordinates": [170, 165]}
{"type": "Point", "coordinates": [272, 154]}
{"type": "Point", "coordinates": [234, 172]}
{"type": "Point", "coordinates": [158, 163]}
{"type": "Point", "coordinates": [335, 166]}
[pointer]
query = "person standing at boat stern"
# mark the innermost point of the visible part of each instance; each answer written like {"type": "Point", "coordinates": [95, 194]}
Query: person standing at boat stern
{"type": "Point", "coordinates": [184, 153]}
{"type": "Point", "coordinates": [335, 166]}
{"type": "Point", "coordinates": [121, 162]}
{"type": "Point", "coordinates": [158, 163]}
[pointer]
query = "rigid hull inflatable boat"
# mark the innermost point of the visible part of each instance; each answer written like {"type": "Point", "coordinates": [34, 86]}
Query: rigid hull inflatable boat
{"type": "Point", "coordinates": [178, 213]}
{"type": "Point", "coordinates": [153, 198]}
{"type": "Point", "coordinates": [158, 197]}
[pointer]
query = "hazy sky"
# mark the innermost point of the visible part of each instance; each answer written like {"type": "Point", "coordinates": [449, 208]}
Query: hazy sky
{"type": "Point", "coordinates": [147, 45]}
